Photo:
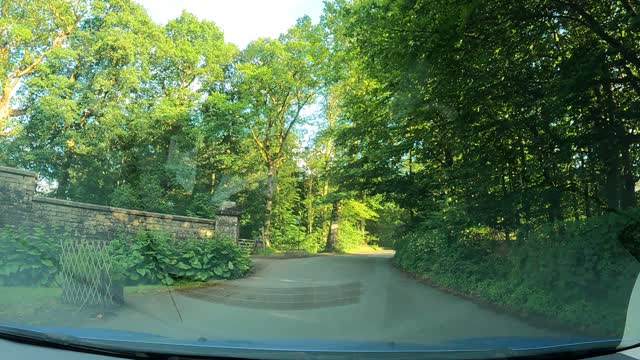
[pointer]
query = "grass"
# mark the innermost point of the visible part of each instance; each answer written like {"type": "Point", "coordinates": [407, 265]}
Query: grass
{"type": "Point", "coordinates": [18, 296]}
{"type": "Point", "coordinates": [10, 296]}
{"type": "Point", "coordinates": [18, 304]}
{"type": "Point", "coordinates": [145, 289]}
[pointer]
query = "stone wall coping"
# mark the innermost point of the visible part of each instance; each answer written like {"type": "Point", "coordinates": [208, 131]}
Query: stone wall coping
{"type": "Point", "coordinates": [227, 212]}
{"type": "Point", "coordinates": [109, 209]}
{"type": "Point", "coordinates": [18, 172]}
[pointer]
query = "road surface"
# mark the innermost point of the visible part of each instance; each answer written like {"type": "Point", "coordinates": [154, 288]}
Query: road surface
{"type": "Point", "coordinates": [347, 297]}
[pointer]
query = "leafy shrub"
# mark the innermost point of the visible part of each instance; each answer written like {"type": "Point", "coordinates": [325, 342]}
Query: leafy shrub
{"type": "Point", "coordinates": [314, 242]}
{"type": "Point", "coordinates": [28, 256]}
{"type": "Point", "coordinates": [156, 258]}
{"type": "Point", "coordinates": [349, 236]}
{"type": "Point", "coordinates": [32, 258]}
{"type": "Point", "coordinates": [579, 272]}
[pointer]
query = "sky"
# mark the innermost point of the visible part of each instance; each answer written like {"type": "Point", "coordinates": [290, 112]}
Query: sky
{"type": "Point", "coordinates": [240, 20]}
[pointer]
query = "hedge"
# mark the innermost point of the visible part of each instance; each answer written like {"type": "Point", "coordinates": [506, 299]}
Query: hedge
{"type": "Point", "coordinates": [578, 273]}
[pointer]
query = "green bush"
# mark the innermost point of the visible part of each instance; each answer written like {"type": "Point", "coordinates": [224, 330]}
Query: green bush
{"type": "Point", "coordinates": [32, 258]}
{"type": "Point", "coordinates": [314, 242]}
{"type": "Point", "coordinates": [578, 272]}
{"type": "Point", "coordinates": [28, 256]}
{"type": "Point", "coordinates": [156, 258]}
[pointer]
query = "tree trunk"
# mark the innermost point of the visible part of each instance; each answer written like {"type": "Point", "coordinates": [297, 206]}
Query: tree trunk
{"type": "Point", "coordinates": [270, 192]}
{"type": "Point", "coordinates": [5, 111]}
{"type": "Point", "coordinates": [310, 208]}
{"type": "Point", "coordinates": [628, 190]}
{"type": "Point", "coordinates": [612, 177]}
{"type": "Point", "coordinates": [63, 180]}
{"type": "Point", "coordinates": [587, 200]}
{"type": "Point", "coordinates": [526, 200]}
{"type": "Point", "coordinates": [586, 193]}
{"type": "Point", "coordinates": [555, 205]}
{"type": "Point", "coordinates": [552, 197]}
{"type": "Point", "coordinates": [332, 239]}
{"type": "Point", "coordinates": [613, 147]}
{"type": "Point", "coordinates": [325, 228]}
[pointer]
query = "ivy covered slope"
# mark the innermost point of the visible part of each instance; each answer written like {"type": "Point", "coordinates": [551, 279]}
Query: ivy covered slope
{"type": "Point", "coordinates": [32, 258]}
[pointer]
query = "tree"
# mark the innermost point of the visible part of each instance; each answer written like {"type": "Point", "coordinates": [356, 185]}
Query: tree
{"type": "Point", "coordinates": [168, 138]}
{"type": "Point", "coordinates": [500, 126]}
{"type": "Point", "coordinates": [114, 116]}
{"type": "Point", "coordinates": [275, 80]}
{"type": "Point", "coordinates": [29, 32]}
{"type": "Point", "coordinates": [80, 108]}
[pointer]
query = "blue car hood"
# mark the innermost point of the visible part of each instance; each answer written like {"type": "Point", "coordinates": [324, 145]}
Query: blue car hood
{"type": "Point", "coordinates": [513, 343]}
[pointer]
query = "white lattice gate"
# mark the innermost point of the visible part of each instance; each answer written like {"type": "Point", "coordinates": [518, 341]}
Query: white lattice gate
{"type": "Point", "coordinates": [86, 279]}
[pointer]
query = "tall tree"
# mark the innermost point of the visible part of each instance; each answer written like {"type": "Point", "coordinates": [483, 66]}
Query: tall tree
{"type": "Point", "coordinates": [81, 107]}
{"type": "Point", "coordinates": [275, 80]}
{"type": "Point", "coordinates": [29, 32]}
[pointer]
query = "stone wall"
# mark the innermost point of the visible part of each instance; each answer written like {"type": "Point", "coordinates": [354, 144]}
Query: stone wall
{"type": "Point", "coordinates": [19, 206]}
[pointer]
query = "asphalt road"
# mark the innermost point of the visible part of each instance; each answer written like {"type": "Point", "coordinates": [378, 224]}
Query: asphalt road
{"type": "Point", "coordinates": [347, 297]}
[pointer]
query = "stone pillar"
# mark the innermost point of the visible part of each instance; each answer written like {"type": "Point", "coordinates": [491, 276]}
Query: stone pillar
{"type": "Point", "coordinates": [228, 221]}
{"type": "Point", "coordinates": [16, 194]}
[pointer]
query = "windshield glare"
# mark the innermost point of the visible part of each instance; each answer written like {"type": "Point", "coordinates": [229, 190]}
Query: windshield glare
{"type": "Point", "coordinates": [355, 177]}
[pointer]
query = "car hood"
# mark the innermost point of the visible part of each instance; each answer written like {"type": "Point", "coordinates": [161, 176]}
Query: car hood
{"type": "Point", "coordinates": [470, 347]}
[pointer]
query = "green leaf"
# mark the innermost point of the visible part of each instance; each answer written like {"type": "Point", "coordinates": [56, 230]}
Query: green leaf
{"type": "Point", "coordinates": [218, 270]}
{"type": "Point", "coordinates": [9, 269]}
{"type": "Point", "coordinates": [46, 262]}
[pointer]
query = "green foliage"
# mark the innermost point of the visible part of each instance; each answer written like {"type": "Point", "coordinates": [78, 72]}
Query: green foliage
{"type": "Point", "coordinates": [155, 258]}
{"type": "Point", "coordinates": [147, 195]}
{"type": "Point", "coordinates": [350, 236]}
{"type": "Point", "coordinates": [129, 113]}
{"type": "Point", "coordinates": [28, 257]}
{"type": "Point", "coordinates": [32, 258]}
{"type": "Point", "coordinates": [437, 111]}
{"type": "Point", "coordinates": [579, 272]}
{"type": "Point", "coordinates": [313, 242]}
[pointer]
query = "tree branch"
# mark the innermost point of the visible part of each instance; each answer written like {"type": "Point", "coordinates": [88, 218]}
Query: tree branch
{"type": "Point", "coordinates": [633, 80]}
{"type": "Point", "coordinates": [17, 112]}
{"type": "Point", "coordinates": [57, 42]}
{"type": "Point", "coordinates": [263, 151]}
{"type": "Point", "coordinates": [597, 29]}
{"type": "Point", "coordinates": [290, 126]}
{"type": "Point", "coordinates": [627, 5]}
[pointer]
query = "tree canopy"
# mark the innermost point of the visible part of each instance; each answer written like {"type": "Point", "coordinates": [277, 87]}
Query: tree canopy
{"type": "Point", "coordinates": [385, 116]}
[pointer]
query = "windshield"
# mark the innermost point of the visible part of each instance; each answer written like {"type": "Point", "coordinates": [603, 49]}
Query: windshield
{"type": "Point", "coordinates": [345, 176]}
